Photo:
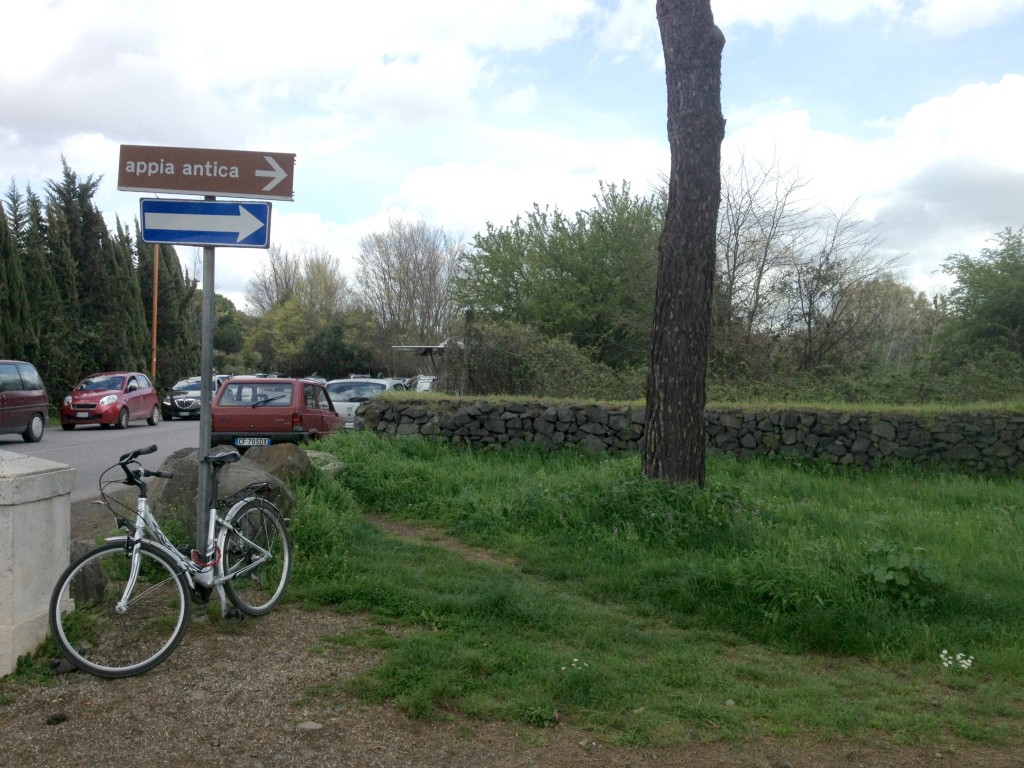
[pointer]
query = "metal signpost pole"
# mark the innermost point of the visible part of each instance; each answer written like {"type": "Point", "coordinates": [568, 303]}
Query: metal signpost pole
{"type": "Point", "coordinates": [205, 415]}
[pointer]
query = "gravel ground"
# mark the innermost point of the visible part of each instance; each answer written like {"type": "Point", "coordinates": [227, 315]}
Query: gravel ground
{"type": "Point", "coordinates": [267, 693]}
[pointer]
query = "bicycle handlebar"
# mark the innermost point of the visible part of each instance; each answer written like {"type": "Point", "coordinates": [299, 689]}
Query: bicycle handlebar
{"type": "Point", "coordinates": [134, 476]}
{"type": "Point", "coordinates": [136, 453]}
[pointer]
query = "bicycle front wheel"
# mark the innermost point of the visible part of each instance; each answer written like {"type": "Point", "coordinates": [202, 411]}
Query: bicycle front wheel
{"type": "Point", "coordinates": [256, 556]}
{"type": "Point", "coordinates": [98, 638]}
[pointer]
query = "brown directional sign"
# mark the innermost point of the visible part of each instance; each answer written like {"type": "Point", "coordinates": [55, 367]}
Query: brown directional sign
{"type": "Point", "coordinates": [217, 172]}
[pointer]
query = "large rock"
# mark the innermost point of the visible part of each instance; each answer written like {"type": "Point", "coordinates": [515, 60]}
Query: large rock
{"type": "Point", "coordinates": [287, 462]}
{"type": "Point", "coordinates": [177, 496]}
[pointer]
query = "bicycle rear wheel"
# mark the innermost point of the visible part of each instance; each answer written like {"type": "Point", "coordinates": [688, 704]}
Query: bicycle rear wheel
{"type": "Point", "coordinates": [256, 556]}
{"type": "Point", "coordinates": [98, 639]}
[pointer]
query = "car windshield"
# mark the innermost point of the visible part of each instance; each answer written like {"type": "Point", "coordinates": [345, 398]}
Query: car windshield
{"type": "Point", "coordinates": [187, 386]}
{"type": "Point", "coordinates": [352, 390]}
{"type": "Point", "coordinates": [251, 393]}
{"type": "Point", "coordinates": [101, 383]}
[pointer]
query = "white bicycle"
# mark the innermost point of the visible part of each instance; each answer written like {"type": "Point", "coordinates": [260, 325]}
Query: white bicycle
{"type": "Point", "coordinates": [122, 608]}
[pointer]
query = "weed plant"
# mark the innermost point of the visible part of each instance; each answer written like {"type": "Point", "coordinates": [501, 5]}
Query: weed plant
{"type": "Point", "coordinates": [780, 598]}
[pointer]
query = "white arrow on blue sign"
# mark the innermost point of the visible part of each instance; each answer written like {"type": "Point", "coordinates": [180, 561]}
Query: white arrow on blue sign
{"type": "Point", "coordinates": [205, 222]}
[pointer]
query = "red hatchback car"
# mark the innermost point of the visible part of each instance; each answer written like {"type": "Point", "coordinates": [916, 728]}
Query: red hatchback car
{"type": "Point", "coordinates": [250, 411]}
{"type": "Point", "coordinates": [113, 398]}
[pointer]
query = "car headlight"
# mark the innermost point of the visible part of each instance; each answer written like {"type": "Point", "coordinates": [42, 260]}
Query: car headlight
{"type": "Point", "coordinates": [108, 400]}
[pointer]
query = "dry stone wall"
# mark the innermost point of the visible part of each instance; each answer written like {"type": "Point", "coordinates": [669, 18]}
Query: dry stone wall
{"type": "Point", "coordinates": [976, 441]}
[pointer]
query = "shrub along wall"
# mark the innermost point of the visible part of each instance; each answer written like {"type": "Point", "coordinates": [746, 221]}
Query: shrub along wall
{"type": "Point", "coordinates": [975, 441]}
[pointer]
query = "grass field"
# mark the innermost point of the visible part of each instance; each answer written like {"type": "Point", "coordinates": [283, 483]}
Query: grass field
{"type": "Point", "coordinates": [780, 600]}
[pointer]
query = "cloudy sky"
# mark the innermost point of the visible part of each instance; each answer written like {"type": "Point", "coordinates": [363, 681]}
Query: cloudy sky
{"type": "Point", "coordinates": [463, 112]}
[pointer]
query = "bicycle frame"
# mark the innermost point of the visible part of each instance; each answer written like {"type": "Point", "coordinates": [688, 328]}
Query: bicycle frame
{"type": "Point", "coordinates": [207, 576]}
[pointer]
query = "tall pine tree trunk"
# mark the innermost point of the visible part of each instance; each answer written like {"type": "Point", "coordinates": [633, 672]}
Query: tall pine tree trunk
{"type": "Point", "coordinates": [674, 441]}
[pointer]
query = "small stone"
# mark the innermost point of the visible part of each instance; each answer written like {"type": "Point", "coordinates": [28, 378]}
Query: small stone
{"type": "Point", "coordinates": [56, 718]}
{"type": "Point", "coordinates": [730, 703]}
{"type": "Point", "coordinates": [63, 666]}
{"type": "Point", "coordinates": [308, 725]}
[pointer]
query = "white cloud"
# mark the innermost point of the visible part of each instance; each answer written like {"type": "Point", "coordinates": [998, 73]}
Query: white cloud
{"type": "Point", "coordinates": [782, 13]}
{"type": "Point", "coordinates": [946, 177]}
{"type": "Point", "coordinates": [939, 17]}
{"type": "Point", "coordinates": [952, 17]}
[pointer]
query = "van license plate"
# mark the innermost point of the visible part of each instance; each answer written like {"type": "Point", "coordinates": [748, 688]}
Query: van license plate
{"type": "Point", "coordinates": [246, 442]}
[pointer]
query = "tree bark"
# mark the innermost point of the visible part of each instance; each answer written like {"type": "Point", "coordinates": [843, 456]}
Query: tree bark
{"type": "Point", "coordinates": [674, 438]}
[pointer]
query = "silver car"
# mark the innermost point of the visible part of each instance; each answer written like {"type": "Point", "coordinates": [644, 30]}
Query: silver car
{"type": "Point", "coordinates": [348, 394]}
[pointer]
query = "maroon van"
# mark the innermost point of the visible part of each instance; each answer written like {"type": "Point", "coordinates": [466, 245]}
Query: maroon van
{"type": "Point", "coordinates": [24, 405]}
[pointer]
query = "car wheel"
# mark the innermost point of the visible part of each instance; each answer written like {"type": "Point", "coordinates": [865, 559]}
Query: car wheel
{"type": "Point", "coordinates": [168, 416]}
{"type": "Point", "coordinates": [154, 417]}
{"type": "Point", "coordinates": [34, 431]}
{"type": "Point", "coordinates": [122, 419]}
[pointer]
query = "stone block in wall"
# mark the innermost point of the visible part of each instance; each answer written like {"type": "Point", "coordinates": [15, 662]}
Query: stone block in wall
{"type": "Point", "coordinates": [543, 427]}
{"type": "Point", "coordinates": [860, 445]}
{"type": "Point", "coordinates": [789, 419]}
{"type": "Point", "coordinates": [883, 430]}
{"type": "Point", "coordinates": [593, 444]}
{"type": "Point", "coordinates": [730, 420]}
{"type": "Point", "coordinates": [618, 422]}
{"type": "Point", "coordinates": [999, 450]}
{"type": "Point", "coordinates": [963, 451]}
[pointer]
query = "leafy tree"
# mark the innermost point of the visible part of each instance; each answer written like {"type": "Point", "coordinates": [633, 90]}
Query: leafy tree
{"type": "Point", "coordinates": [589, 278]}
{"type": "Point", "coordinates": [987, 300]}
{"type": "Point", "coordinates": [515, 359]}
{"type": "Point", "coordinates": [290, 324]}
{"type": "Point", "coordinates": [334, 352]}
{"type": "Point", "coordinates": [294, 298]}
{"type": "Point", "coordinates": [229, 328]}
{"type": "Point", "coordinates": [322, 287]}
{"type": "Point", "coordinates": [674, 439]}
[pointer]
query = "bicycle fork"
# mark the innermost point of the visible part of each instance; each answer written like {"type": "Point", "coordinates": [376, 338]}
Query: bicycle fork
{"type": "Point", "coordinates": [133, 544]}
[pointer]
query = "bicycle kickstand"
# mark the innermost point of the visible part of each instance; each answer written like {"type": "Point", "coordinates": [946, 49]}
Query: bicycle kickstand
{"type": "Point", "coordinates": [228, 612]}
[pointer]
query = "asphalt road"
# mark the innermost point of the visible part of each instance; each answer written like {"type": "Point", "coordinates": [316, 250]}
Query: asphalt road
{"type": "Point", "coordinates": [90, 450]}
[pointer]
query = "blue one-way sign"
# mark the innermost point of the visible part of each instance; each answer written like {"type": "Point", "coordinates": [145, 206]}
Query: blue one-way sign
{"type": "Point", "coordinates": [205, 222]}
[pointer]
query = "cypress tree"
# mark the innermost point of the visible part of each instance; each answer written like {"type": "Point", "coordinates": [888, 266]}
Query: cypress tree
{"type": "Point", "coordinates": [177, 335]}
{"type": "Point", "coordinates": [58, 358]}
{"type": "Point", "coordinates": [16, 334]}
